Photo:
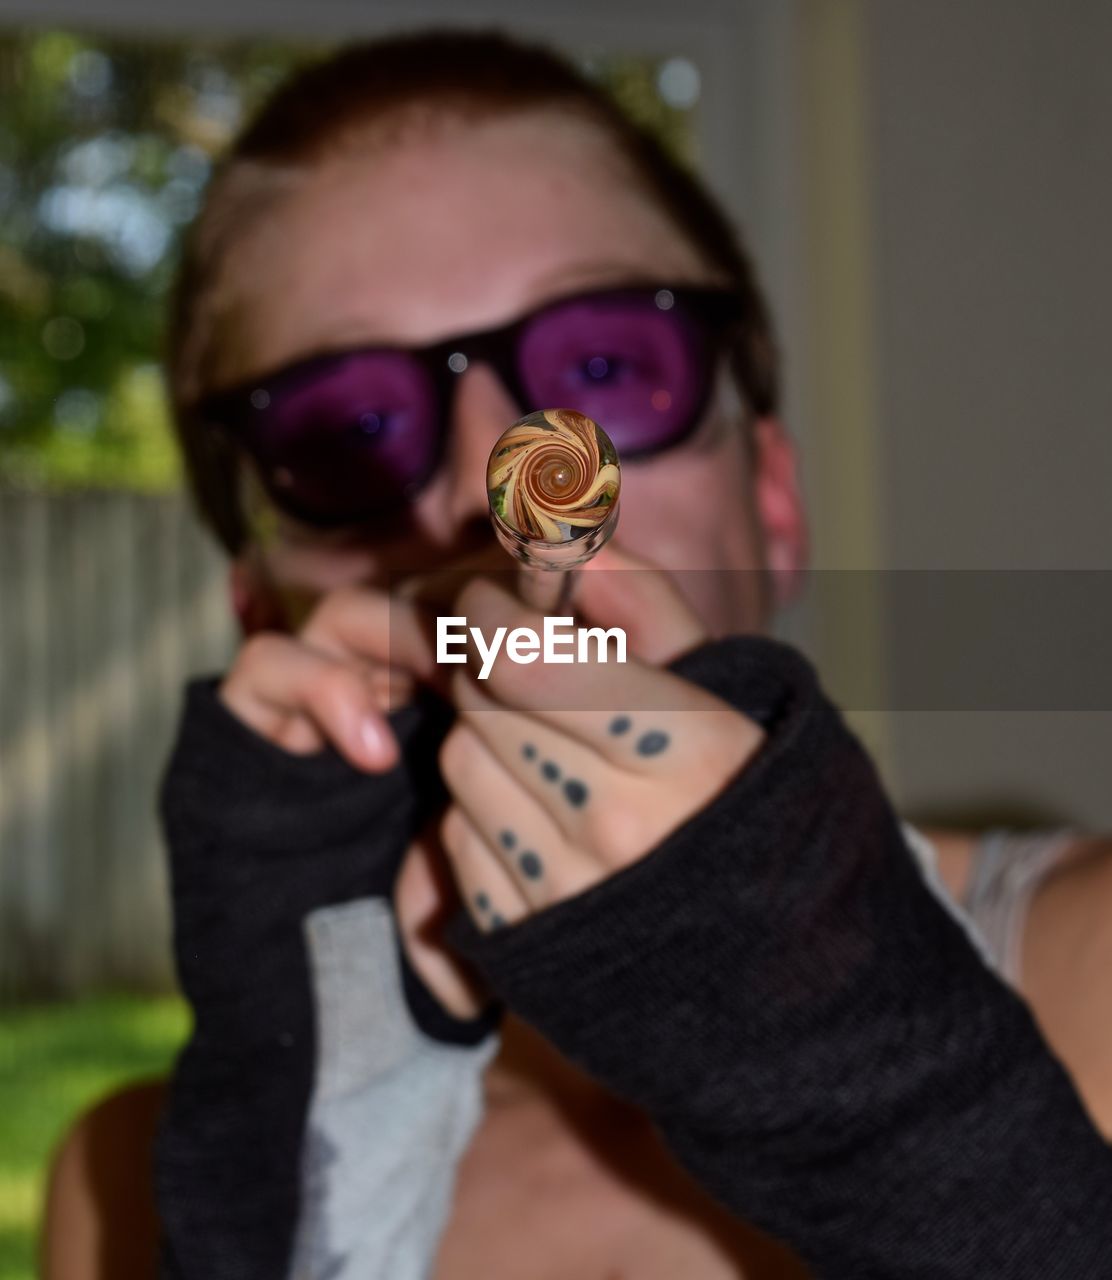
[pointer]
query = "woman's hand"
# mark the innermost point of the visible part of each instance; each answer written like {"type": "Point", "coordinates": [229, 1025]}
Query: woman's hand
{"type": "Point", "coordinates": [562, 775]}
{"type": "Point", "coordinates": [355, 658]}
{"type": "Point", "coordinates": [359, 654]}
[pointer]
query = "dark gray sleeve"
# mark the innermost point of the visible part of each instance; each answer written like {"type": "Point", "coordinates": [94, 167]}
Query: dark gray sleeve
{"type": "Point", "coordinates": [810, 1029]}
{"type": "Point", "coordinates": [259, 840]}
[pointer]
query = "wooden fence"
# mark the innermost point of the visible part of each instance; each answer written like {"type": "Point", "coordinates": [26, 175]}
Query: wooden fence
{"type": "Point", "coordinates": [107, 603]}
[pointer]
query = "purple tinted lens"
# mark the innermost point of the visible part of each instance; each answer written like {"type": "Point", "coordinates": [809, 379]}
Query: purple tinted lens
{"type": "Point", "coordinates": [346, 434]}
{"type": "Point", "coordinates": [637, 365]}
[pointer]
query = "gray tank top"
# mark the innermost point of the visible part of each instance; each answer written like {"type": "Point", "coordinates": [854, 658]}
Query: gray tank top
{"type": "Point", "coordinates": [1008, 869]}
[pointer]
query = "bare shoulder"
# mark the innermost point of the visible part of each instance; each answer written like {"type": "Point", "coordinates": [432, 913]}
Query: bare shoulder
{"type": "Point", "coordinates": [99, 1218]}
{"type": "Point", "coordinates": [1067, 957]}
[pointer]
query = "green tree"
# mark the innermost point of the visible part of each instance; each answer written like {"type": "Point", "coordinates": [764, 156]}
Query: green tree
{"type": "Point", "coordinates": [105, 146]}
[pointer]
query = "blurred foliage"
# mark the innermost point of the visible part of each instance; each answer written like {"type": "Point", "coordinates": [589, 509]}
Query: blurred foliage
{"type": "Point", "coordinates": [56, 1060]}
{"type": "Point", "coordinates": [105, 147]}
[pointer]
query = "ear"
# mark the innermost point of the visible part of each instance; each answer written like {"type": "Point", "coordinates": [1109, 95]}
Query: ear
{"type": "Point", "coordinates": [780, 507]}
{"type": "Point", "coordinates": [255, 603]}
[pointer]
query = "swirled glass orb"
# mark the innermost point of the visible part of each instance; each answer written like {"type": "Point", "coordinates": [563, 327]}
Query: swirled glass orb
{"type": "Point", "coordinates": [553, 481]}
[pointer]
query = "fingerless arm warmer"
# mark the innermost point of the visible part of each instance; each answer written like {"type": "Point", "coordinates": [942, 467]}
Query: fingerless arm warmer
{"type": "Point", "coordinates": [308, 1020]}
{"type": "Point", "coordinates": [811, 1031]}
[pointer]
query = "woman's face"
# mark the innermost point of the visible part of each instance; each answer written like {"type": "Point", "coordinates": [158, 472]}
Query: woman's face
{"type": "Point", "coordinates": [462, 227]}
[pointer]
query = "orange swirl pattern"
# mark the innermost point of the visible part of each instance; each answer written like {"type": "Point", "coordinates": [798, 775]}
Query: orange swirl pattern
{"type": "Point", "coordinates": [554, 478]}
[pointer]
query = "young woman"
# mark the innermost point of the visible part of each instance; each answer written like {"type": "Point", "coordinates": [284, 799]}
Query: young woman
{"type": "Point", "coordinates": [664, 965]}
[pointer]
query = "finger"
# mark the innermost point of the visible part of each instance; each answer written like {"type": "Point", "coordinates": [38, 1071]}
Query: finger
{"type": "Point", "coordinates": [425, 895]}
{"type": "Point", "coordinates": [618, 589]}
{"type": "Point", "coordinates": [281, 688]}
{"type": "Point", "coordinates": [607, 817]}
{"type": "Point", "coordinates": [613, 809]}
{"type": "Point", "coordinates": [367, 625]}
{"type": "Point", "coordinates": [629, 713]}
{"type": "Point", "coordinates": [489, 893]}
{"type": "Point", "coordinates": [514, 821]}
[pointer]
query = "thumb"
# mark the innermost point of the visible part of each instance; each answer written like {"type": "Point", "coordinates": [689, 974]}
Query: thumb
{"type": "Point", "coordinates": [618, 589]}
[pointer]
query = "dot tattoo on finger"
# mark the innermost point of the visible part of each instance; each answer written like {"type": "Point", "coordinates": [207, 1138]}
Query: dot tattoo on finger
{"type": "Point", "coordinates": [531, 865]}
{"type": "Point", "coordinates": [483, 903]}
{"type": "Point", "coordinates": [575, 792]}
{"type": "Point", "coordinates": [507, 839]}
{"type": "Point", "coordinates": [652, 743]}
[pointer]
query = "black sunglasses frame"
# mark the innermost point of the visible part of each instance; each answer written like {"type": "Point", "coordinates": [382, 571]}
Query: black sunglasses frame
{"type": "Point", "coordinates": [229, 413]}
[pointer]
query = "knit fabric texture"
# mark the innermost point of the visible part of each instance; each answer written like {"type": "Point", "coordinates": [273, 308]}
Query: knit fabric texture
{"type": "Point", "coordinates": [258, 838]}
{"type": "Point", "coordinates": [812, 1032]}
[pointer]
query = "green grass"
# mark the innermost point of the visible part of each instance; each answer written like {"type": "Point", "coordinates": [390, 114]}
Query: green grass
{"type": "Point", "coordinates": [54, 1061]}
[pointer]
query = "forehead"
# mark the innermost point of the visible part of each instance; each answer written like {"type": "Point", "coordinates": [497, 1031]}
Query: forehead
{"type": "Point", "coordinates": [446, 229]}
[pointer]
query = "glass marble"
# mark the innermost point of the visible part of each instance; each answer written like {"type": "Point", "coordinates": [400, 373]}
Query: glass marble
{"type": "Point", "coordinates": [553, 481]}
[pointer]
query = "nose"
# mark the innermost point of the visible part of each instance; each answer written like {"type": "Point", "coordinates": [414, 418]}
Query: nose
{"type": "Point", "coordinates": [481, 410]}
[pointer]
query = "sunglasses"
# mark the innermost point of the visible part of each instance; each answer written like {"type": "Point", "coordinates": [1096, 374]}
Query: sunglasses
{"type": "Point", "coordinates": [355, 435]}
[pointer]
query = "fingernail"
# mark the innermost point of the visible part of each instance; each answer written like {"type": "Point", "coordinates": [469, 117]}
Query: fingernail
{"type": "Point", "coordinates": [372, 733]}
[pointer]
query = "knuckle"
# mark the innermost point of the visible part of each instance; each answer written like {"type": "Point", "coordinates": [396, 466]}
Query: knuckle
{"type": "Point", "coordinates": [331, 607]}
{"type": "Point", "coordinates": [337, 685]}
{"type": "Point", "coordinates": [726, 746]}
{"type": "Point", "coordinates": [617, 831]}
{"type": "Point", "coordinates": [259, 649]}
